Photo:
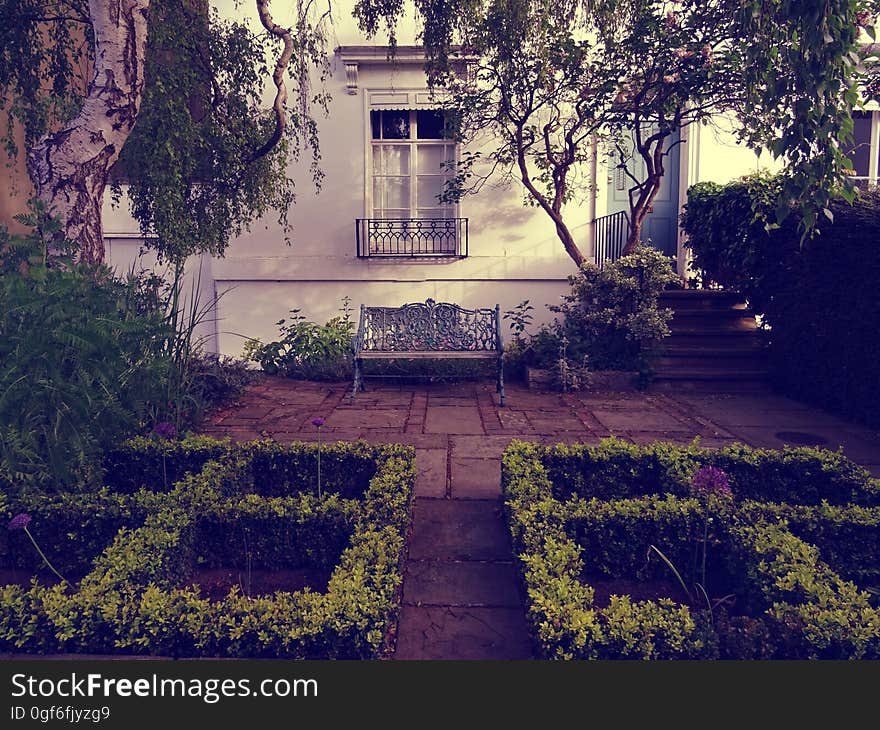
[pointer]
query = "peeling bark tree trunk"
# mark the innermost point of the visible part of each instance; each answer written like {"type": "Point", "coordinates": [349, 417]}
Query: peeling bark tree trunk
{"type": "Point", "coordinates": [69, 167]}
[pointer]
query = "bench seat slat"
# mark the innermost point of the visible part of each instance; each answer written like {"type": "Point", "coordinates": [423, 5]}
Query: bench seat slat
{"type": "Point", "coordinates": [427, 354]}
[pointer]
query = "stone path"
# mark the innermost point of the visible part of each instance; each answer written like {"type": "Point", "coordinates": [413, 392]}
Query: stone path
{"type": "Point", "coordinates": [461, 597]}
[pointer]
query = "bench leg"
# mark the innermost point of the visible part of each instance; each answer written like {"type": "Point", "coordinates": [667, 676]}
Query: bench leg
{"type": "Point", "coordinates": [357, 379]}
{"type": "Point", "coordinates": [500, 386]}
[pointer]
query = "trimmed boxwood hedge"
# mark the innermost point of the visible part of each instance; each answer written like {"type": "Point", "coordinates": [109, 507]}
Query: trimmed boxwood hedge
{"type": "Point", "coordinates": [135, 599]}
{"type": "Point", "coordinates": [599, 507]}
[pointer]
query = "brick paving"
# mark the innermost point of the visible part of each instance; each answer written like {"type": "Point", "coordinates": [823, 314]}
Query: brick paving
{"type": "Point", "coordinates": [461, 599]}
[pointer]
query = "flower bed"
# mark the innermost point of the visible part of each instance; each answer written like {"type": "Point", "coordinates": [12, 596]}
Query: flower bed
{"type": "Point", "coordinates": [589, 522]}
{"type": "Point", "coordinates": [250, 509]}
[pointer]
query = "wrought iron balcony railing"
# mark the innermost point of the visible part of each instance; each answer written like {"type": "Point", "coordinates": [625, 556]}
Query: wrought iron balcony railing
{"type": "Point", "coordinates": [412, 237]}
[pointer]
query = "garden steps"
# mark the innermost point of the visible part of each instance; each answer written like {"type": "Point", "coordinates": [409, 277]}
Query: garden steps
{"type": "Point", "coordinates": [714, 344]}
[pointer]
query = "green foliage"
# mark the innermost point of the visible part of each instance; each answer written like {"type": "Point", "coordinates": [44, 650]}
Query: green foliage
{"type": "Point", "coordinates": [87, 360]}
{"type": "Point", "coordinates": [158, 464]}
{"type": "Point", "coordinates": [822, 346]}
{"type": "Point", "coordinates": [610, 319]}
{"type": "Point", "coordinates": [77, 371]}
{"type": "Point", "coordinates": [802, 67]}
{"type": "Point", "coordinates": [136, 599]}
{"type": "Point", "coordinates": [550, 75]}
{"type": "Point", "coordinates": [214, 380]}
{"type": "Point", "coordinates": [192, 180]}
{"type": "Point", "coordinates": [307, 350]}
{"type": "Point", "coordinates": [191, 165]}
{"type": "Point", "coordinates": [788, 602]}
{"type": "Point", "coordinates": [520, 318]}
{"type": "Point", "coordinates": [616, 469]}
{"type": "Point", "coordinates": [611, 314]}
{"type": "Point", "coordinates": [41, 86]}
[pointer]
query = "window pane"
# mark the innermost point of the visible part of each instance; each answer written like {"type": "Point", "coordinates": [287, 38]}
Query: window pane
{"type": "Point", "coordinates": [430, 186]}
{"type": "Point", "coordinates": [395, 124]}
{"type": "Point", "coordinates": [430, 124]}
{"type": "Point", "coordinates": [423, 213]}
{"type": "Point", "coordinates": [389, 214]}
{"type": "Point", "coordinates": [860, 151]}
{"type": "Point", "coordinates": [391, 192]}
{"type": "Point", "coordinates": [432, 157]}
{"type": "Point", "coordinates": [393, 160]}
{"type": "Point", "coordinates": [375, 124]}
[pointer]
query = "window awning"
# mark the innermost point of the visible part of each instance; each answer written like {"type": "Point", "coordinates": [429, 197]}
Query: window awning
{"type": "Point", "coordinates": [404, 100]}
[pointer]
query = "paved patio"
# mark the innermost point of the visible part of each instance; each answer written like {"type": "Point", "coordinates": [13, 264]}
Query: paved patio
{"type": "Point", "coordinates": [461, 598]}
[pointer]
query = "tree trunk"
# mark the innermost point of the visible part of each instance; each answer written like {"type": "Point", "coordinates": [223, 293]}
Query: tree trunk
{"type": "Point", "coordinates": [569, 244]}
{"type": "Point", "coordinates": [639, 212]}
{"type": "Point", "coordinates": [69, 167]}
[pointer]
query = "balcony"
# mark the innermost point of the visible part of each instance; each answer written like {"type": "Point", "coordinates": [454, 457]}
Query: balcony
{"type": "Point", "coordinates": [412, 238]}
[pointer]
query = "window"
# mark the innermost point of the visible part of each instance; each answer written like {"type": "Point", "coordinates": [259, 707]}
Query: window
{"type": "Point", "coordinates": [859, 149]}
{"type": "Point", "coordinates": [410, 156]}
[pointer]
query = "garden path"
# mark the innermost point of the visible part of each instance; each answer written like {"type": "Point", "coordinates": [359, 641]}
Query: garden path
{"type": "Point", "coordinates": [461, 599]}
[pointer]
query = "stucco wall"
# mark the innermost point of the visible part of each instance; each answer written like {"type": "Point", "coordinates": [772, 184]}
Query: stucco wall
{"type": "Point", "coordinates": [514, 253]}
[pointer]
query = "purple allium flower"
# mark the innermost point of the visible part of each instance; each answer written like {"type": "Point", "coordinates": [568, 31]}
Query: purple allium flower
{"type": "Point", "coordinates": [20, 522]}
{"type": "Point", "coordinates": [165, 430]}
{"type": "Point", "coordinates": [318, 422]}
{"type": "Point", "coordinates": [710, 480]}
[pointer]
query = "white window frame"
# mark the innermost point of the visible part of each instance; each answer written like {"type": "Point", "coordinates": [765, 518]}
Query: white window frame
{"type": "Point", "coordinates": [412, 143]}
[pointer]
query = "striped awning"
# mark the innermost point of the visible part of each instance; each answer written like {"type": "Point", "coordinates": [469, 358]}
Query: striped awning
{"type": "Point", "coordinates": [404, 100]}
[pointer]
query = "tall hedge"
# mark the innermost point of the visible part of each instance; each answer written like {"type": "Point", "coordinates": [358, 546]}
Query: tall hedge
{"type": "Point", "coordinates": [820, 300]}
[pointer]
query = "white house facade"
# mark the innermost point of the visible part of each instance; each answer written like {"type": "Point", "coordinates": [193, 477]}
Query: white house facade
{"type": "Point", "coordinates": [376, 232]}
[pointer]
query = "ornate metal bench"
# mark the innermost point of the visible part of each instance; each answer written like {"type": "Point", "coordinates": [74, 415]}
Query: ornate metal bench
{"type": "Point", "coordinates": [433, 330]}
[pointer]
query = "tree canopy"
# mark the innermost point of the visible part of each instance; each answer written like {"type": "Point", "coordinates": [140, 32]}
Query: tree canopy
{"type": "Point", "coordinates": [203, 157]}
{"type": "Point", "coordinates": [549, 77]}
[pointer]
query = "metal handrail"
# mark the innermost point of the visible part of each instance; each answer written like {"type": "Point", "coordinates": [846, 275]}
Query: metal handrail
{"type": "Point", "coordinates": [609, 236]}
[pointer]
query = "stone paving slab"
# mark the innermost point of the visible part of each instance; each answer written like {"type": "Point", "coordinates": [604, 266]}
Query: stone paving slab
{"type": "Point", "coordinates": [457, 529]}
{"type": "Point", "coordinates": [476, 478]}
{"type": "Point", "coordinates": [431, 477]}
{"type": "Point", "coordinates": [453, 419]}
{"type": "Point", "coordinates": [461, 583]}
{"type": "Point", "coordinates": [483, 447]}
{"type": "Point", "coordinates": [645, 419]}
{"type": "Point", "coordinates": [471, 633]}
{"type": "Point", "coordinates": [368, 418]}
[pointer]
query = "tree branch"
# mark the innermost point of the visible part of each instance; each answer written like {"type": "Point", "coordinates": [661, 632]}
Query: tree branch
{"type": "Point", "coordinates": [279, 105]}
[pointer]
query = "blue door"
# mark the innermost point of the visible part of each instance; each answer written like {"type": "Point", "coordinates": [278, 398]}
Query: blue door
{"type": "Point", "coordinates": [660, 228]}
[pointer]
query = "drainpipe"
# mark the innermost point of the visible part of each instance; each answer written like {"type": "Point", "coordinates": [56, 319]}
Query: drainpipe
{"type": "Point", "coordinates": [591, 201]}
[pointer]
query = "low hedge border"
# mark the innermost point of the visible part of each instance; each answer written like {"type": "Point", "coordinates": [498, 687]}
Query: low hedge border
{"type": "Point", "coordinates": [133, 601]}
{"type": "Point", "coordinates": [809, 610]}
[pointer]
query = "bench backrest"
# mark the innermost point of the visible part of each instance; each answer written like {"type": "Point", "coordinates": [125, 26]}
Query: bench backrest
{"type": "Point", "coordinates": [429, 327]}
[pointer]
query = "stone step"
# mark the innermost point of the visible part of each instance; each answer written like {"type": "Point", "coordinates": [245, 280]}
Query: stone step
{"type": "Point", "coordinates": [725, 345]}
{"type": "Point", "coordinates": [701, 299]}
{"type": "Point", "coordinates": [711, 315]}
{"type": "Point", "coordinates": [662, 384]}
{"type": "Point", "coordinates": [684, 324]}
{"type": "Point", "coordinates": [717, 339]}
{"type": "Point", "coordinates": [710, 374]}
{"type": "Point", "coordinates": [710, 361]}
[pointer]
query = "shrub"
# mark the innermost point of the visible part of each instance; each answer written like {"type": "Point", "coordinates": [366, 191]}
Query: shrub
{"type": "Point", "coordinates": [818, 299]}
{"type": "Point", "coordinates": [306, 349]}
{"type": "Point", "coordinates": [624, 498]}
{"type": "Point", "coordinates": [74, 373]}
{"type": "Point", "coordinates": [610, 320]}
{"type": "Point", "coordinates": [214, 380]}
{"type": "Point", "coordinates": [88, 359]}
{"type": "Point", "coordinates": [136, 598]}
